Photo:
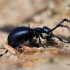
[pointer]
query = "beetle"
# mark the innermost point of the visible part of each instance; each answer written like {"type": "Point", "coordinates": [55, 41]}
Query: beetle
{"type": "Point", "coordinates": [23, 34]}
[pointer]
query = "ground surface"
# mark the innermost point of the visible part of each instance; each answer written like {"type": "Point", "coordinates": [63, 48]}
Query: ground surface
{"type": "Point", "coordinates": [56, 56]}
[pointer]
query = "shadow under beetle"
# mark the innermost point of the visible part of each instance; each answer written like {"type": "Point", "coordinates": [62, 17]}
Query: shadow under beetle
{"type": "Point", "coordinates": [23, 34]}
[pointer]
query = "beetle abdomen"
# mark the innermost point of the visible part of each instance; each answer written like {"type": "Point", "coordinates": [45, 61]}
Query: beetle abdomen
{"type": "Point", "coordinates": [18, 35]}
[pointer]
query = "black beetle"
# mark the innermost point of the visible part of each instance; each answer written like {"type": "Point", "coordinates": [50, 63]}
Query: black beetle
{"type": "Point", "coordinates": [23, 34]}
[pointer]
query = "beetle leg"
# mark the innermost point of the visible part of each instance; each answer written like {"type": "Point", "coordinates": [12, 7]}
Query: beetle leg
{"type": "Point", "coordinates": [60, 24]}
{"type": "Point", "coordinates": [48, 38]}
{"type": "Point", "coordinates": [38, 36]}
{"type": "Point", "coordinates": [42, 36]}
{"type": "Point", "coordinates": [41, 42]}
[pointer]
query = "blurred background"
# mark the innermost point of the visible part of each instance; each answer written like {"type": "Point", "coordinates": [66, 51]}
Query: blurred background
{"type": "Point", "coordinates": [37, 13]}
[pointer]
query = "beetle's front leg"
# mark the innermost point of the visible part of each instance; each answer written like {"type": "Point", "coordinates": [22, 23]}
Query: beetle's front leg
{"type": "Point", "coordinates": [41, 42]}
{"type": "Point", "coordinates": [40, 35]}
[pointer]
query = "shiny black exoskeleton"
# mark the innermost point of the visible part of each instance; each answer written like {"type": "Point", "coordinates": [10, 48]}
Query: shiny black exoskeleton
{"type": "Point", "coordinates": [23, 34]}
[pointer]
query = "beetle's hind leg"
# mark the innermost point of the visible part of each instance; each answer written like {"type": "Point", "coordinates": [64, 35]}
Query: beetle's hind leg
{"type": "Point", "coordinates": [60, 24]}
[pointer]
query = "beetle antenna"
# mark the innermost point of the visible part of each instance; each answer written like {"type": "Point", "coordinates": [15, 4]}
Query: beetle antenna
{"type": "Point", "coordinates": [60, 24]}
